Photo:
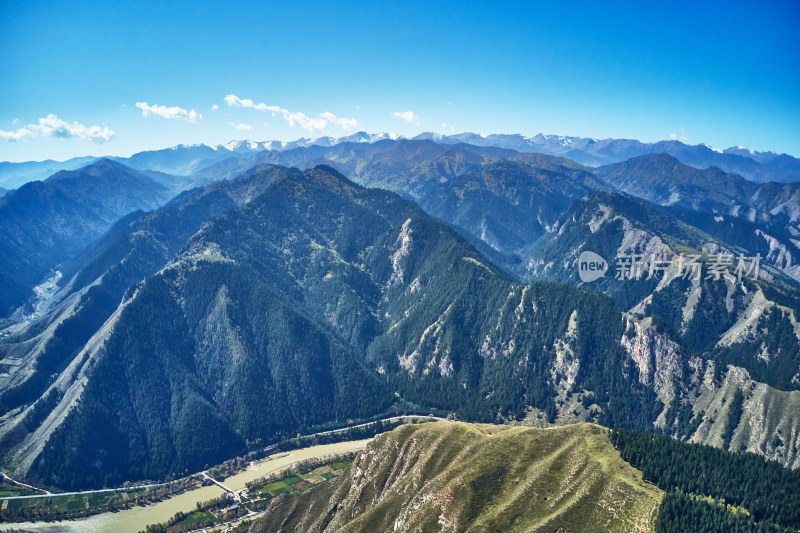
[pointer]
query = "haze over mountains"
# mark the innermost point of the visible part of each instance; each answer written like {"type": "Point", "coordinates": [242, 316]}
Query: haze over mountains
{"type": "Point", "coordinates": [251, 293]}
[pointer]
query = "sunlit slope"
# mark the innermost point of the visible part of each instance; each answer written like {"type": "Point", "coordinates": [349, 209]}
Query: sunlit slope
{"type": "Point", "coordinates": [448, 476]}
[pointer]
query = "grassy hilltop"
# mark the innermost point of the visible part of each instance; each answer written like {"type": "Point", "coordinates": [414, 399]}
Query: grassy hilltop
{"type": "Point", "coordinates": [447, 476]}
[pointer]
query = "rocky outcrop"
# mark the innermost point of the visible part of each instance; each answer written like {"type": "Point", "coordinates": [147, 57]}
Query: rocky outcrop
{"type": "Point", "coordinates": [770, 421]}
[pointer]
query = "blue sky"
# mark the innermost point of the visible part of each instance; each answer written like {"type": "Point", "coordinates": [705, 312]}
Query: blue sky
{"type": "Point", "coordinates": [73, 72]}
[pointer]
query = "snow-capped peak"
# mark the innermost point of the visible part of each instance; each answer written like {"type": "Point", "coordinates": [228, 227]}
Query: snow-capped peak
{"type": "Point", "coordinates": [364, 137]}
{"type": "Point", "coordinates": [711, 148]}
{"type": "Point", "coordinates": [185, 146]}
{"type": "Point", "coordinates": [244, 145]}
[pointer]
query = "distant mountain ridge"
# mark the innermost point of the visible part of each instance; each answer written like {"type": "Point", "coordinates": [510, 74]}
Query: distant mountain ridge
{"type": "Point", "coordinates": [664, 180]}
{"type": "Point", "coordinates": [189, 159]}
{"type": "Point", "coordinates": [755, 166]}
{"type": "Point", "coordinates": [13, 175]}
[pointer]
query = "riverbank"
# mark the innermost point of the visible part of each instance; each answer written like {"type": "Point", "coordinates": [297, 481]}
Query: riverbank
{"type": "Point", "coordinates": [138, 518]}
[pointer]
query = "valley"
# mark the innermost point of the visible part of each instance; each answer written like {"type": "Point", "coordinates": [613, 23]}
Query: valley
{"type": "Point", "coordinates": [297, 291]}
{"type": "Point", "coordinates": [137, 518]}
{"type": "Point", "coordinates": [343, 267]}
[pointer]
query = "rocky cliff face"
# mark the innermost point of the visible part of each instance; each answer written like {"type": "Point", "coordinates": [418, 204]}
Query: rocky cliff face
{"type": "Point", "coordinates": [769, 423]}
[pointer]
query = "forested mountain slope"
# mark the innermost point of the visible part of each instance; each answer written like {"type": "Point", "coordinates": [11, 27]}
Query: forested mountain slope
{"type": "Point", "coordinates": [372, 291]}
{"type": "Point", "coordinates": [54, 351]}
{"type": "Point", "coordinates": [44, 223]}
{"type": "Point", "coordinates": [398, 287]}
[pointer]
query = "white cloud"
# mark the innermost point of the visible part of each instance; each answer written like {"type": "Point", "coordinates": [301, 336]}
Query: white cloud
{"type": "Point", "coordinates": [408, 116]}
{"type": "Point", "coordinates": [295, 118]}
{"type": "Point", "coordinates": [682, 137]}
{"type": "Point", "coordinates": [52, 126]}
{"type": "Point", "coordinates": [17, 135]}
{"type": "Point", "coordinates": [214, 107]}
{"type": "Point", "coordinates": [304, 121]}
{"type": "Point", "coordinates": [234, 101]}
{"type": "Point", "coordinates": [173, 113]}
{"type": "Point", "coordinates": [342, 122]}
{"type": "Point", "coordinates": [245, 127]}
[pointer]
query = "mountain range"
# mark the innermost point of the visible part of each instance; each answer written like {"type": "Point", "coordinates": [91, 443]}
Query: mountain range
{"type": "Point", "coordinates": [188, 159]}
{"type": "Point", "coordinates": [271, 292]}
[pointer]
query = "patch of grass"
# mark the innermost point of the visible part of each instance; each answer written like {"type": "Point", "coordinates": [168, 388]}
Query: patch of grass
{"type": "Point", "coordinates": [272, 487]}
{"type": "Point", "coordinates": [196, 519]}
{"type": "Point", "coordinates": [101, 498]}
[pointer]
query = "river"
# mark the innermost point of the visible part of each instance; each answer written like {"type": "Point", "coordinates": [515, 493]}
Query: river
{"type": "Point", "coordinates": [137, 518]}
